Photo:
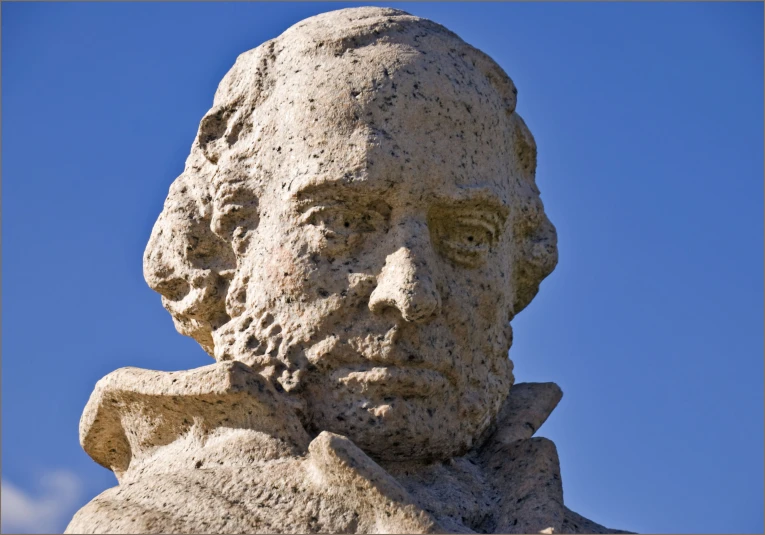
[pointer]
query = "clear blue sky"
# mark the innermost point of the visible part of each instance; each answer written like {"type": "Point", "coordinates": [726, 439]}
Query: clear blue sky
{"type": "Point", "coordinates": [649, 121]}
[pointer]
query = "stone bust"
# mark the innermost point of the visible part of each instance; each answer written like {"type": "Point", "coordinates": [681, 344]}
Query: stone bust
{"type": "Point", "coordinates": [356, 225]}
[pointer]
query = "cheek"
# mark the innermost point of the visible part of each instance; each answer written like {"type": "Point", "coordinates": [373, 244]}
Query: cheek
{"type": "Point", "coordinates": [270, 268]}
{"type": "Point", "coordinates": [477, 298]}
{"type": "Point", "coordinates": [475, 311]}
{"type": "Point", "coordinates": [293, 272]}
{"type": "Point", "coordinates": [490, 306]}
{"type": "Point", "coordinates": [493, 292]}
{"type": "Point", "coordinates": [283, 271]}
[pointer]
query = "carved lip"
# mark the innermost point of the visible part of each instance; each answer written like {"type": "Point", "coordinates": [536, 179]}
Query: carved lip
{"type": "Point", "coordinates": [409, 382]}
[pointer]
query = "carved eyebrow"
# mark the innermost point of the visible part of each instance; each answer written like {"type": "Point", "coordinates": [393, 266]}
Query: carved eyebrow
{"type": "Point", "coordinates": [477, 196]}
{"type": "Point", "coordinates": [310, 195]}
{"type": "Point", "coordinates": [476, 199]}
{"type": "Point", "coordinates": [307, 198]}
{"type": "Point", "coordinates": [355, 195]}
{"type": "Point", "coordinates": [347, 197]}
{"type": "Point", "coordinates": [474, 202]}
{"type": "Point", "coordinates": [346, 186]}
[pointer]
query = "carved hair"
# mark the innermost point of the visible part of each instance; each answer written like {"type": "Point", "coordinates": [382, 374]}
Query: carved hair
{"type": "Point", "coordinates": [189, 259]}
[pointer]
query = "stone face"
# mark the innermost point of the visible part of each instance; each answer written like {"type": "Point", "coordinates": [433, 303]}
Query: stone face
{"type": "Point", "coordinates": [355, 227]}
{"type": "Point", "coordinates": [358, 220]}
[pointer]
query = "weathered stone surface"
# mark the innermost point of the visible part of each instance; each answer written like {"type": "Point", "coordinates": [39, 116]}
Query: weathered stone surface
{"type": "Point", "coordinates": [526, 410]}
{"type": "Point", "coordinates": [355, 227]}
{"type": "Point", "coordinates": [209, 450]}
{"type": "Point", "coordinates": [141, 421]}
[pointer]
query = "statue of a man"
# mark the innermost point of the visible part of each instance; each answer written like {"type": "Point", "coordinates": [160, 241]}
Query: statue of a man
{"type": "Point", "coordinates": [355, 227]}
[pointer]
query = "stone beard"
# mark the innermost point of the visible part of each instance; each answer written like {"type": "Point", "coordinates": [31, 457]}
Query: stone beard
{"type": "Point", "coordinates": [356, 225]}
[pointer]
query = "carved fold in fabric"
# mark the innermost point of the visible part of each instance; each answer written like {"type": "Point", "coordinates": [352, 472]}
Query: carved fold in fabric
{"type": "Point", "coordinates": [172, 433]}
{"type": "Point", "coordinates": [134, 416]}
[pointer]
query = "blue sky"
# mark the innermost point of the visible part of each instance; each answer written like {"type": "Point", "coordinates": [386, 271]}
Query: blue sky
{"type": "Point", "coordinates": [649, 122]}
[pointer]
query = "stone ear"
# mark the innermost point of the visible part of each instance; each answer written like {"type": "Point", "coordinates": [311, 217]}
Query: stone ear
{"type": "Point", "coordinates": [536, 237]}
{"type": "Point", "coordinates": [538, 256]}
{"type": "Point", "coordinates": [498, 78]}
{"type": "Point", "coordinates": [526, 151]}
{"type": "Point", "coordinates": [220, 129]}
{"type": "Point", "coordinates": [506, 87]}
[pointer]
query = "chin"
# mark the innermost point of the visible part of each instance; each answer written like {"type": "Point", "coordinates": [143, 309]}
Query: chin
{"type": "Point", "coordinates": [400, 427]}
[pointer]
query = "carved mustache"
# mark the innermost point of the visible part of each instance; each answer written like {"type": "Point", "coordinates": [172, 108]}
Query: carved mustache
{"type": "Point", "coordinates": [257, 338]}
{"type": "Point", "coordinates": [363, 360]}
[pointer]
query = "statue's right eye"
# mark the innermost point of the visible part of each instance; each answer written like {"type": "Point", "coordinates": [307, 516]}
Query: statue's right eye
{"type": "Point", "coordinates": [339, 221]}
{"type": "Point", "coordinates": [340, 228]}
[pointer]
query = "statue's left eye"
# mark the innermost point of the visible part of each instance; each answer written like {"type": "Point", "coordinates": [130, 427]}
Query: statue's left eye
{"type": "Point", "coordinates": [469, 237]}
{"type": "Point", "coordinates": [465, 244]}
{"type": "Point", "coordinates": [465, 239]}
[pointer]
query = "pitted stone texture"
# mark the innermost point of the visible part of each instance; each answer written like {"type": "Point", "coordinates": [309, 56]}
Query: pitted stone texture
{"type": "Point", "coordinates": [356, 225]}
{"type": "Point", "coordinates": [205, 451]}
{"type": "Point", "coordinates": [526, 410]}
{"type": "Point", "coordinates": [358, 220]}
{"type": "Point", "coordinates": [224, 414]}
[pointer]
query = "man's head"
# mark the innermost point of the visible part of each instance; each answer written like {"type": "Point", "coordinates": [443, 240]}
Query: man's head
{"type": "Point", "coordinates": [358, 219]}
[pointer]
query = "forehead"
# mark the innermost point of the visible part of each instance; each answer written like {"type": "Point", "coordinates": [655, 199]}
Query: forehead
{"type": "Point", "coordinates": [392, 118]}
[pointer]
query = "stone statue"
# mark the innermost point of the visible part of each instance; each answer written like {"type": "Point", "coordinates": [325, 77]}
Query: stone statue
{"type": "Point", "coordinates": [354, 229]}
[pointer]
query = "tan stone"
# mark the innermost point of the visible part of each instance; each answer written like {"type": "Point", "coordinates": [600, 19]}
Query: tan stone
{"type": "Point", "coordinates": [355, 227]}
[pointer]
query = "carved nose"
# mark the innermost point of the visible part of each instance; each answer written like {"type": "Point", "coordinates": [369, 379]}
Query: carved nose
{"type": "Point", "coordinates": [406, 284]}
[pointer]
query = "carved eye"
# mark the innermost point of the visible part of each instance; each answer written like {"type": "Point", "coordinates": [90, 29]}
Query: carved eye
{"type": "Point", "coordinates": [464, 239]}
{"type": "Point", "coordinates": [337, 221]}
{"type": "Point", "coordinates": [342, 228]}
